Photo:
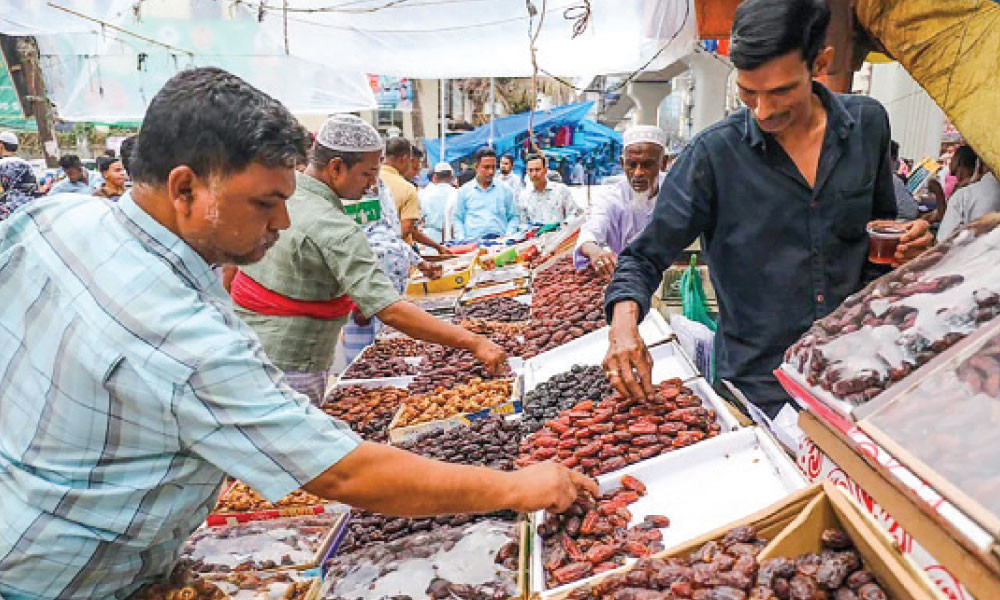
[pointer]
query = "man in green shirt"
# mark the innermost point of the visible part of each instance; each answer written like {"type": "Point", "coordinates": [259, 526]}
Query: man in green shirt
{"type": "Point", "coordinates": [299, 296]}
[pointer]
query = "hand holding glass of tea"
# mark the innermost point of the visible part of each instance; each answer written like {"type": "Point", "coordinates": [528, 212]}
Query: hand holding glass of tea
{"type": "Point", "coordinates": [895, 243]}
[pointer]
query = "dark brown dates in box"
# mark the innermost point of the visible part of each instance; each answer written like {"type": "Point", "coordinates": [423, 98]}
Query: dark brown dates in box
{"type": "Point", "coordinates": [444, 368]}
{"type": "Point", "coordinates": [896, 324]}
{"type": "Point", "coordinates": [729, 570]}
{"type": "Point", "coordinates": [366, 528]}
{"type": "Point", "coordinates": [600, 437]}
{"type": "Point", "coordinates": [565, 304]}
{"type": "Point", "coordinates": [593, 535]}
{"type": "Point", "coordinates": [490, 443]}
{"type": "Point", "coordinates": [561, 392]}
{"type": "Point", "coordinates": [503, 309]}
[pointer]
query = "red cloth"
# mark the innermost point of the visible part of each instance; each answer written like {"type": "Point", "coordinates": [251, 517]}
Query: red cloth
{"type": "Point", "coordinates": [564, 137]}
{"type": "Point", "coordinates": [253, 296]}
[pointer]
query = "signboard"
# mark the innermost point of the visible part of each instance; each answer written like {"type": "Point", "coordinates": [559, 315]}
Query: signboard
{"type": "Point", "coordinates": [392, 93]}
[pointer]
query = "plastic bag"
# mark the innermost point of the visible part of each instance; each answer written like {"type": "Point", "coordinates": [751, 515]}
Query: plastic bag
{"type": "Point", "coordinates": [693, 299]}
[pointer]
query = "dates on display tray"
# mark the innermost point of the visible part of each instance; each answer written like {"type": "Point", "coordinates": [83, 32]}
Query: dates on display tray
{"type": "Point", "coordinates": [259, 545]}
{"type": "Point", "coordinates": [509, 336]}
{"type": "Point", "coordinates": [561, 392]}
{"type": "Point", "coordinates": [897, 323]}
{"type": "Point", "coordinates": [255, 585]}
{"type": "Point", "coordinates": [489, 442]}
{"type": "Point", "coordinates": [443, 403]}
{"type": "Point", "coordinates": [949, 419]}
{"type": "Point", "coordinates": [368, 411]}
{"type": "Point", "coordinates": [444, 368]}
{"type": "Point", "coordinates": [376, 367]}
{"type": "Point", "coordinates": [366, 528]}
{"type": "Point", "coordinates": [496, 309]}
{"type": "Point", "coordinates": [729, 570]}
{"type": "Point", "coordinates": [473, 562]}
{"type": "Point", "coordinates": [565, 304]}
{"type": "Point", "coordinates": [594, 536]}
{"type": "Point", "coordinates": [604, 436]}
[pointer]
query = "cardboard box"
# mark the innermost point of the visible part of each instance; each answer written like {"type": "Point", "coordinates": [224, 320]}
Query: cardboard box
{"type": "Point", "coordinates": [794, 524]}
{"type": "Point", "coordinates": [458, 272]}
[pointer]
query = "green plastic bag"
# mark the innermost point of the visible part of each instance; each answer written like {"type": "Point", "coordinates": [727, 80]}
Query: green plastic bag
{"type": "Point", "coordinates": [693, 300]}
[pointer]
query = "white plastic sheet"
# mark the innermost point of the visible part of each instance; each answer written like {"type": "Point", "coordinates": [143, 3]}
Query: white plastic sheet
{"type": "Point", "coordinates": [484, 38]}
{"type": "Point", "coordinates": [98, 73]}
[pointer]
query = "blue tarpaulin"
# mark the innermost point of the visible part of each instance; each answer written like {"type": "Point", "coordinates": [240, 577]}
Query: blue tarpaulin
{"type": "Point", "coordinates": [506, 130]}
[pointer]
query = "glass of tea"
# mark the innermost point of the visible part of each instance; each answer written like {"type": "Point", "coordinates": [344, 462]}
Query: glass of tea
{"type": "Point", "coordinates": [883, 238]}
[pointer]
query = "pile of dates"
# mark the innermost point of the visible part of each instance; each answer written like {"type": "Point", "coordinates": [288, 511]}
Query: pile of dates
{"type": "Point", "coordinates": [394, 347]}
{"type": "Point", "coordinates": [258, 545]}
{"type": "Point", "coordinates": [502, 309]}
{"type": "Point", "coordinates": [565, 304]}
{"type": "Point", "coordinates": [443, 403]}
{"type": "Point", "coordinates": [367, 528]}
{"type": "Point", "coordinates": [243, 498]}
{"type": "Point", "coordinates": [561, 392]}
{"type": "Point", "coordinates": [377, 367]}
{"type": "Point", "coordinates": [489, 442]}
{"type": "Point", "coordinates": [263, 585]}
{"type": "Point", "coordinates": [593, 535]}
{"type": "Point", "coordinates": [949, 421]}
{"type": "Point", "coordinates": [600, 437]}
{"type": "Point", "coordinates": [836, 573]}
{"type": "Point", "coordinates": [445, 367]}
{"type": "Point", "coordinates": [723, 570]}
{"type": "Point", "coordinates": [197, 589]}
{"type": "Point", "coordinates": [509, 336]}
{"type": "Point", "coordinates": [474, 562]}
{"type": "Point", "coordinates": [896, 324]}
{"type": "Point", "coordinates": [367, 410]}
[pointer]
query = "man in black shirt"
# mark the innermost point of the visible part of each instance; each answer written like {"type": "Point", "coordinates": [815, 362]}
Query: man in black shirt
{"type": "Point", "coordinates": [781, 191]}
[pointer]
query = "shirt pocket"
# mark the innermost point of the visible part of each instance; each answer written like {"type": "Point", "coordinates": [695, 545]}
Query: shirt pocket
{"type": "Point", "coordinates": [853, 212]}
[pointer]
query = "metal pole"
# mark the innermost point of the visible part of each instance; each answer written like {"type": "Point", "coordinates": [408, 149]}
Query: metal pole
{"type": "Point", "coordinates": [444, 120]}
{"type": "Point", "coordinates": [493, 91]}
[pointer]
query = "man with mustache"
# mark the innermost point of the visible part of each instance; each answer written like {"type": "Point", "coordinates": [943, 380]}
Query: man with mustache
{"type": "Point", "coordinates": [619, 213]}
{"type": "Point", "coordinates": [299, 296]}
{"type": "Point", "coordinates": [130, 387]}
{"type": "Point", "coordinates": [781, 192]}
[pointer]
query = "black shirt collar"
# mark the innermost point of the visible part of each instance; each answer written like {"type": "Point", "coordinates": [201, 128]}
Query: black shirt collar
{"type": "Point", "coordinates": [837, 117]}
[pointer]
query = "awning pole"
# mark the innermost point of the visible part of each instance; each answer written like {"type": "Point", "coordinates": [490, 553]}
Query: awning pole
{"type": "Point", "coordinates": [444, 119]}
{"type": "Point", "coordinates": [492, 106]}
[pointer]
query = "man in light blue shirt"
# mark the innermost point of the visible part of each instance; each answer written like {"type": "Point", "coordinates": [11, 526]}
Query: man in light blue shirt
{"type": "Point", "coordinates": [130, 386]}
{"type": "Point", "coordinates": [75, 181]}
{"type": "Point", "coordinates": [485, 207]}
{"type": "Point", "coordinates": [437, 201]}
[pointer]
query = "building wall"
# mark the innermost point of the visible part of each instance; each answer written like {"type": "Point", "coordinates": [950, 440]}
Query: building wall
{"type": "Point", "coordinates": [916, 120]}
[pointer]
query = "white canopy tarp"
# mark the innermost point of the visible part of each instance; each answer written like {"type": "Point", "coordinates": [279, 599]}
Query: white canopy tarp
{"type": "Point", "coordinates": [485, 38]}
{"type": "Point", "coordinates": [98, 73]}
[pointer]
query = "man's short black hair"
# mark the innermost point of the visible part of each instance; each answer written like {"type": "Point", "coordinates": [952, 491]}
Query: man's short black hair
{"type": "Point", "coordinates": [417, 152]}
{"type": "Point", "coordinates": [104, 163]}
{"type": "Point", "coordinates": [215, 123]}
{"type": "Point", "coordinates": [766, 29]}
{"type": "Point", "coordinates": [69, 161]}
{"type": "Point", "coordinates": [535, 156]}
{"type": "Point", "coordinates": [126, 150]}
{"type": "Point", "coordinates": [320, 156]}
{"type": "Point", "coordinates": [398, 147]}
{"type": "Point", "coordinates": [508, 156]}
{"type": "Point", "coordinates": [483, 153]}
{"type": "Point", "coordinates": [966, 157]}
{"type": "Point", "coordinates": [9, 147]}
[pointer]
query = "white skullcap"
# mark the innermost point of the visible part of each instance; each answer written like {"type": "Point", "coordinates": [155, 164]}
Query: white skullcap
{"type": "Point", "coordinates": [443, 167]}
{"type": "Point", "coordinates": [645, 134]}
{"type": "Point", "coordinates": [8, 137]}
{"type": "Point", "coordinates": [349, 133]}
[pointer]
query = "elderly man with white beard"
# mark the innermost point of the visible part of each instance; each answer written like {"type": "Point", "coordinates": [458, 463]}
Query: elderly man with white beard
{"type": "Point", "coordinates": [622, 210]}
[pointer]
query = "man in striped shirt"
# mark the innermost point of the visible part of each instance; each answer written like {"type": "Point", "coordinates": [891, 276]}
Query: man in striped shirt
{"type": "Point", "coordinates": [128, 386]}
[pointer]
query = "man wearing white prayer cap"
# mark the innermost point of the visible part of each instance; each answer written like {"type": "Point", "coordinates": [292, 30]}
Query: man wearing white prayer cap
{"type": "Point", "coordinates": [299, 296]}
{"type": "Point", "coordinates": [620, 211]}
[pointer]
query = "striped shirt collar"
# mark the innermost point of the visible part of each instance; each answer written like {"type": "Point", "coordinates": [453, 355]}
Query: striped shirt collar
{"type": "Point", "coordinates": [166, 244]}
